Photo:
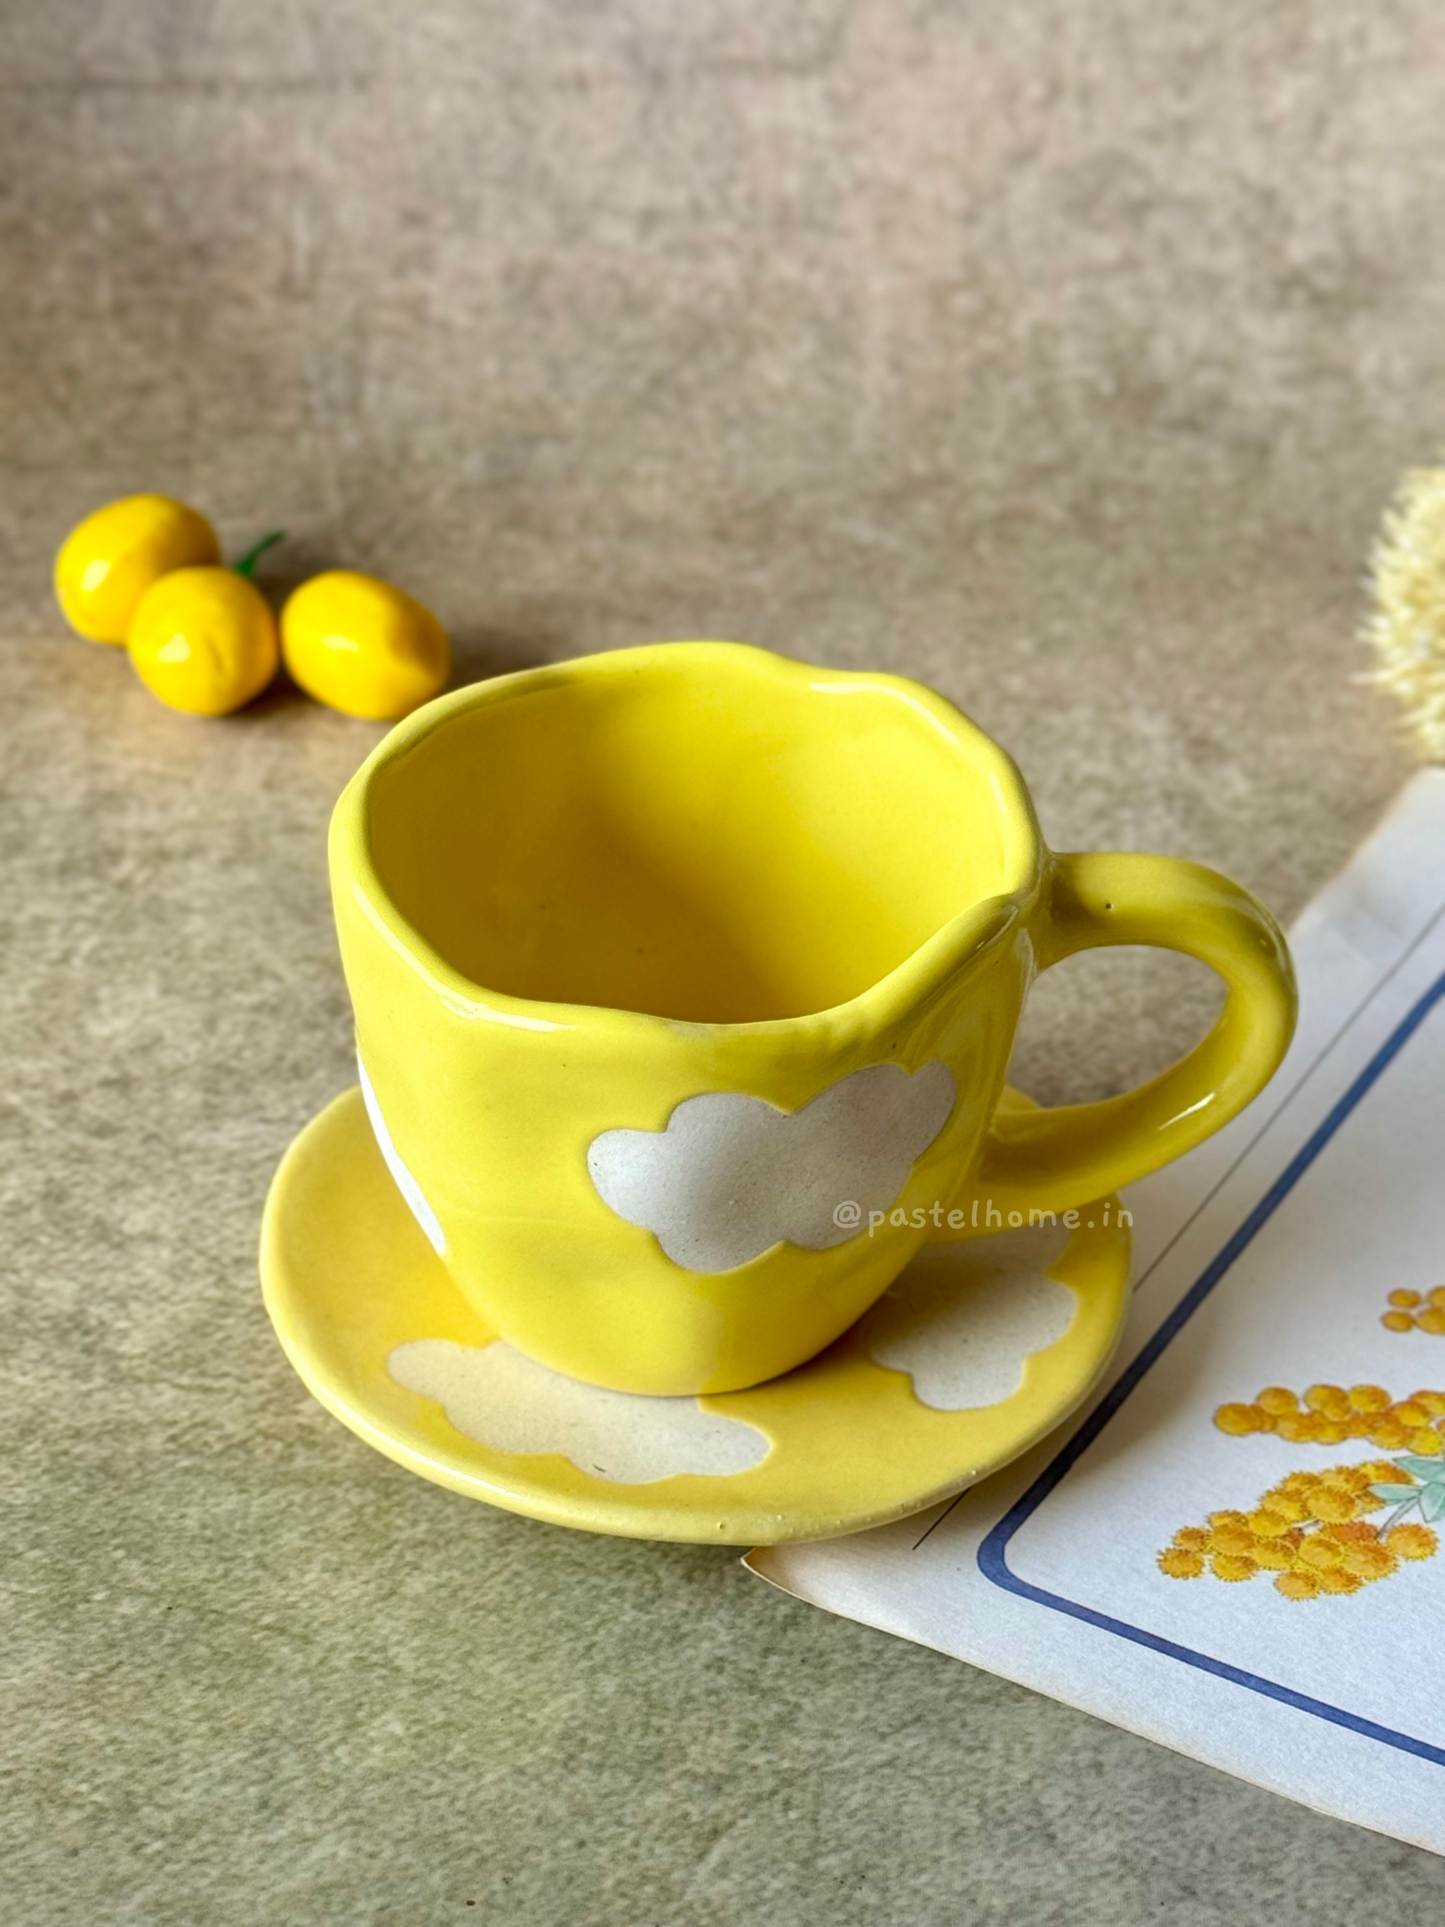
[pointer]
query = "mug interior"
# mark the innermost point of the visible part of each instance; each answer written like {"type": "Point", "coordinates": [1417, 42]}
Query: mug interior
{"type": "Point", "coordinates": [705, 839]}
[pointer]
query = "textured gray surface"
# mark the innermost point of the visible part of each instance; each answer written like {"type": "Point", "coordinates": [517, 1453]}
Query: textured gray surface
{"type": "Point", "coordinates": [1059, 355]}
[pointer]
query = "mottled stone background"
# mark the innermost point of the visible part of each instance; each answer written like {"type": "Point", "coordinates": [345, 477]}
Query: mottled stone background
{"type": "Point", "coordinates": [1061, 354]}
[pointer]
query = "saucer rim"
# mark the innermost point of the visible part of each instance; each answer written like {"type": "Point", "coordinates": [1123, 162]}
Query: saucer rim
{"type": "Point", "coordinates": [527, 1494]}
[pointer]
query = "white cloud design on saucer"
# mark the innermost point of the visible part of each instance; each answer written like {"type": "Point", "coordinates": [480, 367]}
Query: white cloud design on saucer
{"type": "Point", "coordinates": [731, 1176]}
{"type": "Point", "coordinates": [501, 1398]}
{"type": "Point", "coordinates": [405, 1182]}
{"type": "Point", "coordinates": [962, 1318]}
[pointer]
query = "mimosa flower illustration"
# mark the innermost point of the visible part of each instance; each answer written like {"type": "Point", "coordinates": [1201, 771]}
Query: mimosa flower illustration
{"type": "Point", "coordinates": [1416, 1311]}
{"type": "Point", "coordinates": [1335, 1531]}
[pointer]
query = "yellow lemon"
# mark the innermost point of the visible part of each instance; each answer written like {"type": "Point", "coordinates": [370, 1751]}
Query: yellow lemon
{"type": "Point", "coordinates": [112, 558]}
{"type": "Point", "coordinates": [362, 646]}
{"type": "Point", "coordinates": [204, 640]}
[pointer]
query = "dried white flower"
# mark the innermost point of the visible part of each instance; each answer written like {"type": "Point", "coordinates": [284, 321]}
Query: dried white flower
{"type": "Point", "coordinates": [1406, 626]}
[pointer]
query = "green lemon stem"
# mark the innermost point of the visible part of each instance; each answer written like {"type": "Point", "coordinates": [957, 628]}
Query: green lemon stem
{"type": "Point", "coordinates": [247, 564]}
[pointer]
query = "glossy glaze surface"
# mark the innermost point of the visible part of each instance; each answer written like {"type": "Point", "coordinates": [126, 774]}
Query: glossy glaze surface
{"type": "Point", "coordinates": [572, 899]}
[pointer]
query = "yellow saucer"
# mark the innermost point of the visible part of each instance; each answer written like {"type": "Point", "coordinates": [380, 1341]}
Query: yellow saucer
{"type": "Point", "coordinates": [840, 1444]}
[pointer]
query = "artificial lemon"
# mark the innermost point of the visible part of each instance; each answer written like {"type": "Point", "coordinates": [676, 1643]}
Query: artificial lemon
{"type": "Point", "coordinates": [106, 564]}
{"type": "Point", "coordinates": [362, 646]}
{"type": "Point", "coordinates": [204, 640]}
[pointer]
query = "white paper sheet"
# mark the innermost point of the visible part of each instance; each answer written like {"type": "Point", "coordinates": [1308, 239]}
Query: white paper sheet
{"type": "Point", "coordinates": [1264, 1259]}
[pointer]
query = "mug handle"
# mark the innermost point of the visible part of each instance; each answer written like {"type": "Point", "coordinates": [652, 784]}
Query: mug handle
{"type": "Point", "coordinates": [1056, 1159]}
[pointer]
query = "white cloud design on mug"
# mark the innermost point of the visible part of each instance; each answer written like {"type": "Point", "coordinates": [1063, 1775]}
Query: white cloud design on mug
{"type": "Point", "coordinates": [731, 1176]}
{"type": "Point", "coordinates": [402, 1177]}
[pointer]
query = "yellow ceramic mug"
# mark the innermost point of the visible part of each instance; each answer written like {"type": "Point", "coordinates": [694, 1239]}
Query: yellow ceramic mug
{"type": "Point", "coordinates": [666, 963]}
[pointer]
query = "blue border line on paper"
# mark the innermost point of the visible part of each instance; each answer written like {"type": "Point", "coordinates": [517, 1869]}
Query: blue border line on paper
{"type": "Point", "coordinates": [991, 1553]}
